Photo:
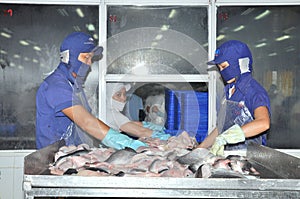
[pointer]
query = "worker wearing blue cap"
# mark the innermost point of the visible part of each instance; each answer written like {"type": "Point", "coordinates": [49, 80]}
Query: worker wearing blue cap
{"type": "Point", "coordinates": [244, 114]}
{"type": "Point", "coordinates": [62, 110]}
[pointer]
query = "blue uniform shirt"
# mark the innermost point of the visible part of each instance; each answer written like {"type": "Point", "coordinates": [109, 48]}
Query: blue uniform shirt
{"type": "Point", "coordinates": [247, 89]}
{"type": "Point", "coordinates": [54, 95]}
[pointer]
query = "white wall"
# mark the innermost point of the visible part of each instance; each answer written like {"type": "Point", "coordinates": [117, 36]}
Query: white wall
{"type": "Point", "coordinates": [11, 173]}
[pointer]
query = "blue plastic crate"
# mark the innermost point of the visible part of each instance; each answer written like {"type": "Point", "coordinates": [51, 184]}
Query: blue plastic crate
{"type": "Point", "coordinates": [188, 111]}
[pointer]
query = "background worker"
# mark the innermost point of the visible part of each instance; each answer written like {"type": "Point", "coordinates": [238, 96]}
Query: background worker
{"type": "Point", "coordinates": [244, 113]}
{"type": "Point", "coordinates": [116, 100]}
{"type": "Point", "coordinates": [62, 110]}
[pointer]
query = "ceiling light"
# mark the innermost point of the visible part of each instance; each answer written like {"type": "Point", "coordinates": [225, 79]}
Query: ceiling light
{"type": "Point", "coordinates": [239, 28]}
{"type": "Point", "coordinates": [76, 28]}
{"type": "Point", "coordinates": [260, 45]}
{"type": "Point", "coordinates": [288, 30]}
{"type": "Point", "coordinates": [220, 37]}
{"type": "Point", "coordinates": [36, 48]}
{"type": "Point", "coordinates": [154, 44]}
{"type": "Point", "coordinates": [165, 27]}
{"type": "Point", "coordinates": [247, 11]}
{"type": "Point", "coordinates": [90, 27]}
{"type": "Point", "coordinates": [172, 13]}
{"type": "Point", "coordinates": [290, 49]}
{"type": "Point", "coordinates": [12, 64]}
{"type": "Point", "coordinates": [158, 37]}
{"type": "Point", "coordinates": [16, 56]}
{"type": "Point", "coordinates": [262, 15]}
{"type": "Point", "coordinates": [63, 12]}
{"type": "Point", "coordinates": [35, 61]}
{"type": "Point", "coordinates": [24, 43]}
{"type": "Point", "coordinates": [79, 12]}
{"type": "Point", "coordinates": [284, 37]}
{"type": "Point", "coordinates": [272, 54]}
{"type": "Point", "coordinates": [3, 52]}
{"type": "Point", "coordinates": [95, 36]}
{"type": "Point", "coordinates": [3, 34]}
{"type": "Point", "coordinates": [20, 67]}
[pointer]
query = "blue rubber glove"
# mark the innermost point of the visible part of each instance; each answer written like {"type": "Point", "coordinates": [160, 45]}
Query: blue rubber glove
{"type": "Point", "coordinates": [153, 126]}
{"type": "Point", "coordinates": [119, 141]}
{"type": "Point", "coordinates": [161, 135]}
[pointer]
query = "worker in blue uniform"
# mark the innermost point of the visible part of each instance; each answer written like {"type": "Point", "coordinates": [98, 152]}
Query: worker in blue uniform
{"type": "Point", "coordinates": [62, 110]}
{"type": "Point", "coordinates": [244, 114]}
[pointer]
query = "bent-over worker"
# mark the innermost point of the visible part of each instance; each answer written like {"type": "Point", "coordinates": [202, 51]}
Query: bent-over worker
{"type": "Point", "coordinates": [62, 110]}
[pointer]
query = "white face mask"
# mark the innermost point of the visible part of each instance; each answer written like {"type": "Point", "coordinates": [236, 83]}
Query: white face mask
{"type": "Point", "coordinates": [117, 105]}
{"type": "Point", "coordinates": [157, 117]}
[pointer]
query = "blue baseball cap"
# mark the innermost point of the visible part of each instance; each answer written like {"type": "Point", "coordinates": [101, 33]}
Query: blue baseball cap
{"type": "Point", "coordinates": [231, 50]}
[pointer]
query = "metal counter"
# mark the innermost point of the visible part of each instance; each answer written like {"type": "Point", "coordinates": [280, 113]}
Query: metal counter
{"type": "Point", "coordinates": [284, 168]}
{"type": "Point", "coordinates": [152, 187]}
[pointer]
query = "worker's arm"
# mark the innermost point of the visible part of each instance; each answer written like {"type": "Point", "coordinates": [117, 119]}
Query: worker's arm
{"type": "Point", "coordinates": [98, 129]}
{"type": "Point", "coordinates": [136, 129]}
{"type": "Point", "coordinates": [86, 121]}
{"type": "Point", "coordinates": [209, 140]}
{"type": "Point", "coordinates": [260, 124]}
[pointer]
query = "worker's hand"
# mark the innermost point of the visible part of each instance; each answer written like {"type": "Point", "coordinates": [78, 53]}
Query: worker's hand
{"type": "Point", "coordinates": [161, 135]}
{"type": "Point", "coordinates": [153, 126]}
{"type": "Point", "coordinates": [119, 141]}
{"type": "Point", "coordinates": [232, 135]}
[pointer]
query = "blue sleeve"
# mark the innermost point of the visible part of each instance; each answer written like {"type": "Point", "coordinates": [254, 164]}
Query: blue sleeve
{"type": "Point", "coordinates": [261, 98]}
{"type": "Point", "coordinates": [60, 96]}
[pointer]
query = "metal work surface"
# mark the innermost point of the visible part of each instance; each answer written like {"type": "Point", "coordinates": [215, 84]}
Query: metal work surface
{"type": "Point", "coordinates": [153, 187]}
{"type": "Point", "coordinates": [280, 179]}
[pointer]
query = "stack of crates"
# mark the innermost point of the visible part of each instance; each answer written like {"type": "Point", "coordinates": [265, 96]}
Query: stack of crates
{"type": "Point", "coordinates": [187, 110]}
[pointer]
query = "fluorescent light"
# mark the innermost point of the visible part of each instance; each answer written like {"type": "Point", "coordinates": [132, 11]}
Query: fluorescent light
{"type": "Point", "coordinates": [35, 61]}
{"type": "Point", "coordinates": [220, 37]}
{"type": "Point", "coordinates": [172, 13]}
{"type": "Point", "coordinates": [239, 28]}
{"type": "Point", "coordinates": [290, 49]}
{"type": "Point", "coordinates": [260, 45]}
{"type": "Point", "coordinates": [90, 27]}
{"type": "Point", "coordinates": [24, 43]}
{"type": "Point", "coordinates": [16, 56]}
{"type": "Point", "coordinates": [165, 27]}
{"type": "Point", "coordinates": [79, 12]}
{"type": "Point", "coordinates": [158, 37]}
{"type": "Point", "coordinates": [3, 34]}
{"type": "Point", "coordinates": [262, 15]}
{"type": "Point", "coordinates": [288, 30]}
{"type": "Point", "coordinates": [36, 48]}
{"type": "Point", "coordinates": [76, 28]}
{"type": "Point", "coordinates": [95, 36]}
{"type": "Point", "coordinates": [63, 12]}
{"type": "Point", "coordinates": [247, 11]}
{"type": "Point", "coordinates": [3, 52]}
{"type": "Point", "coordinates": [154, 44]}
{"type": "Point", "coordinates": [26, 58]}
{"type": "Point", "coordinates": [12, 64]}
{"type": "Point", "coordinates": [20, 67]}
{"type": "Point", "coordinates": [272, 54]}
{"type": "Point", "coordinates": [284, 37]}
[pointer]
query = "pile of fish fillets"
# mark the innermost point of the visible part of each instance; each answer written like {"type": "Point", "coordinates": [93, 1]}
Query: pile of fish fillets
{"type": "Point", "coordinates": [175, 157]}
